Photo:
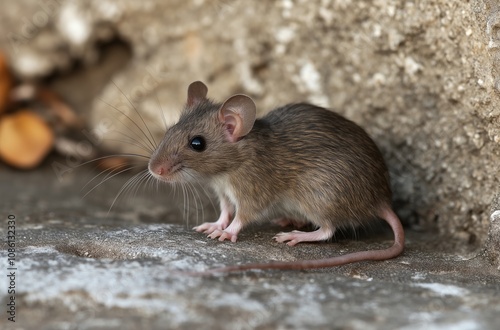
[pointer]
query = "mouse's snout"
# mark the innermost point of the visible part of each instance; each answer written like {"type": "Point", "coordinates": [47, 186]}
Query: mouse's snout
{"type": "Point", "coordinates": [156, 169]}
{"type": "Point", "coordinates": [165, 169]}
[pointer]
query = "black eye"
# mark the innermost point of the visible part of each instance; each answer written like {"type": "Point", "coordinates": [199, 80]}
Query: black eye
{"type": "Point", "coordinates": [198, 143]}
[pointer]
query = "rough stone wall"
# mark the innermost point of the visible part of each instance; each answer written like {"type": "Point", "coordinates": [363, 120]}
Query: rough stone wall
{"type": "Point", "coordinates": [421, 76]}
{"type": "Point", "coordinates": [487, 14]}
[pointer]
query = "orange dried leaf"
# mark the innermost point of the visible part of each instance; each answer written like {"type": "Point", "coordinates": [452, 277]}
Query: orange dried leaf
{"type": "Point", "coordinates": [5, 82]}
{"type": "Point", "coordinates": [58, 107]}
{"type": "Point", "coordinates": [25, 139]}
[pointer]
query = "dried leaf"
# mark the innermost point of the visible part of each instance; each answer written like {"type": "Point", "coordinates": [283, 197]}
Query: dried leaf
{"type": "Point", "coordinates": [61, 115]}
{"type": "Point", "coordinates": [5, 82]}
{"type": "Point", "coordinates": [25, 139]}
{"type": "Point", "coordinates": [63, 112]}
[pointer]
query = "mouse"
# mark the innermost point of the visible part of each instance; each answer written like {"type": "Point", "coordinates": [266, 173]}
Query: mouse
{"type": "Point", "coordinates": [299, 164]}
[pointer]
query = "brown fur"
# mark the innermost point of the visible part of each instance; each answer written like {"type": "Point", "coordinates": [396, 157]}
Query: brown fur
{"type": "Point", "coordinates": [300, 162]}
{"type": "Point", "coordinates": [312, 157]}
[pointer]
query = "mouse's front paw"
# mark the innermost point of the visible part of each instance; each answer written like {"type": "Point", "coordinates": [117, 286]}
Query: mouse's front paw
{"type": "Point", "coordinates": [208, 227]}
{"type": "Point", "coordinates": [223, 235]}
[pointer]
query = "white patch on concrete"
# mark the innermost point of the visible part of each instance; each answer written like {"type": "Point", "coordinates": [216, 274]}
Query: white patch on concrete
{"type": "Point", "coordinates": [248, 80]}
{"type": "Point", "coordinates": [311, 77]}
{"type": "Point", "coordinates": [427, 321]}
{"type": "Point", "coordinates": [109, 10]}
{"type": "Point", "coordinates": [326, 14]}
{"type": "Point", "coordinates": [378, 79]}
{"type": "Point", "coordinates": [130, 284]}
{"type": "Point", "coordinates": [411, 66]}
{"type": "Point", "coordinates": [310, 80]}
{"type": "Point", "coordinates": [73, 25]}
{"type": "Point", "coordinates": [285, 35]}
{"type": "Point", "coordinates": [391, 10]}
{"type": "Point", "coordinates": [419, 276]}
{"type": "Point", "coordinates": [287, 6]}
{"type": "Point", "coordinates": [495, 216]}
{"type": "Point", "coordinates": [377, 31]}
{"type": "Point", "coordinates": [443, 289]}
{"type": "Point", "coordinates": [31, 64]}
{"type": "Point", "coordinates": [362, 277]}
{"type": "Point", "coordinates": [394, 39]}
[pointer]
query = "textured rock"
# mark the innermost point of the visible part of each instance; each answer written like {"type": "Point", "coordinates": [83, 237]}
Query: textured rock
{"type": "Point", "coordinates": [422, 77]}
{"type": "Point", "coordinates": [80, 266]}
{"type": "Point", "coordinates": [493, 245]}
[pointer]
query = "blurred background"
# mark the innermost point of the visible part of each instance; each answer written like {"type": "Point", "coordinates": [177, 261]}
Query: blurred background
{"type": "Point", "coordinates": [419, 76]}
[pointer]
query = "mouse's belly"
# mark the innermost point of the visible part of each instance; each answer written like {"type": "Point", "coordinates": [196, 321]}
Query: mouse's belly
{"type": "Point", "coordinates": [327, 211]}
{"type": "Point", "coordinates": [284, 208]}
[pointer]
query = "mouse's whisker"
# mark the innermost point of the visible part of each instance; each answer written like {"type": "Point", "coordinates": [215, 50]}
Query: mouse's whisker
{"type": "Point", "coordinates": [131, 141]}
{"type": "Point", "coordinates": [138, 184]}
{"type": "Point", "coordinates": [131, 190]}
{"type": "Point", "coordinates": [125, 187]}
{"type": "Point", "coordinates": [209, 197]}
{"type": "Point", "coordinates": [131, 155]}
{"type": "Point", "coordinates": [109, 177]}
{"type": "Point", "coordinates": [147, 180]}
{"type": "Point", "coordinates": [176, 189]}
{"type": "Point", "coordinates": [155, 183]}
{"type": "Point", "coordinates": [204, 190]}
{"type": "Point", "coordinates": [149, 145]}
{"type": "Point", "coordinates": [110, 171]}
{"type": "Point", "coordinates": [150, 138]}
{"type": "Point", "coordinates": [189, 192]}
{"type": "Point", "coordinates": [198, 203]}
{"type": "Point", "coordinates": [189, 201]}
{"type": "Point", "coordinates": [162, 113]}
{"type": "Point", "coordinates": [185, 203]}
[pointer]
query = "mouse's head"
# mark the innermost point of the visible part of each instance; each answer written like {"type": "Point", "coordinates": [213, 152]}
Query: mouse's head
{"type": "Point", "coordinates": [207, 139]}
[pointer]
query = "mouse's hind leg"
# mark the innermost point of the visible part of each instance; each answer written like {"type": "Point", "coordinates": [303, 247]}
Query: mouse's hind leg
{"type": "Point", "coordinates": [296, 236]}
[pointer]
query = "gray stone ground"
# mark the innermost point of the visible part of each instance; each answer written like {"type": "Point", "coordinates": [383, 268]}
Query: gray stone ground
{"type": "Point", "coordinates": [422, 77]}
{"type": "Point", "coordinates": [79, 267]}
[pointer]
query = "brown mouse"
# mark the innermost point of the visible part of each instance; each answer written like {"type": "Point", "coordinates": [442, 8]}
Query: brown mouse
{"type": "Point", "coordinates": [299, 163]}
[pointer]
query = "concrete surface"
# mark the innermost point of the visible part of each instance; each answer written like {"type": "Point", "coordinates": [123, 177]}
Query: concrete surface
{"type": "Point", "coordinates": [79, 267]}
{"type": "Point", "coordinates": [421, 76]}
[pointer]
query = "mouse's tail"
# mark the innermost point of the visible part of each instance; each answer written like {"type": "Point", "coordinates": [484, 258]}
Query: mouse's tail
{"type": "Point", "coordinates": [396, 249]}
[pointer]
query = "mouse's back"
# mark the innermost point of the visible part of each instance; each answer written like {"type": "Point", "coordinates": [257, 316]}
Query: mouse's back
{"type": "Point", "coordinates": [323, 158]}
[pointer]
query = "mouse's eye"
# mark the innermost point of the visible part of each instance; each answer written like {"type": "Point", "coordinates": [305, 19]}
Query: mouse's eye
{"type": "Point", "coordinates": [198, 143]}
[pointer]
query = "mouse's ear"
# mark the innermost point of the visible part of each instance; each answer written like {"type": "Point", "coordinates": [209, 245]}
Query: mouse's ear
{"type": "Point", "coordinates": [197, 92]}
{"type": "Point", "coordinates": [238, 114]}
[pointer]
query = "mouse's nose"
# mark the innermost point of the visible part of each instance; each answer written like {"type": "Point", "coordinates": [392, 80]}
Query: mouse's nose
{"type": "Point", "coordinates": [165, 168]}
{"type": "Point", "coordinates": [158, 169]}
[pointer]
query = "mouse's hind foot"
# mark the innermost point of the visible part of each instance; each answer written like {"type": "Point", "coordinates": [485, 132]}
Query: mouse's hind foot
{"type": "Point", "coordinates": [296, 236]}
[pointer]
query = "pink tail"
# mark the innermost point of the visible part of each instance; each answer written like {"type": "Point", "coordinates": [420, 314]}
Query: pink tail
{"type": "Point", "coordinates": [396, 249]}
